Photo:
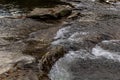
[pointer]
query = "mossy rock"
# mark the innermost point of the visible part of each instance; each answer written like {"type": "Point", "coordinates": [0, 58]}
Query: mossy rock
{"type": "Point", "coordinates": [63, 13]}
{"type": "Point", "coordinates": [48, 60]}
{"type": "Point", "coordinates": [59, 15]}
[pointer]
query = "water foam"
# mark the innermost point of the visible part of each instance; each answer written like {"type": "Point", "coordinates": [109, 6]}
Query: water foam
{"type": "Point", "coordinates": [99, 52]}
{"type": "Point", "coordinates": [61, 33]}
{"type": "Point", "coordinates": [66, 35]}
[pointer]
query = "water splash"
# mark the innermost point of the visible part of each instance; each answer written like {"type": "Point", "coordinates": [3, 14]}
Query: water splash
{"type": "Point", "coordinates": [71, 66]}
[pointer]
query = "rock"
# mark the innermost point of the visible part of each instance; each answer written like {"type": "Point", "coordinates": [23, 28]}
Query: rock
{"type": "Point", "coordinates": [42, 11]}
{"type": "Point", "coordinates": [50, 13]}
{"type": "Point", "coordinates": [74, 15]}
{"type": "Point", "coordinates": [51, 57]}
{"type": "Point", "coordinates": [9, 59]}
{"type": "Point", "coordinates": [22, 43]}
{"type": "Point", "coordinates": [36, 48]}
{"type": "Point", "coordinates": [35, 71]}
{"type": "Point", "coordinates": [63, 13]}
{"type": "Point", "coordinates": [48, 60]}
{"type": "Point", "coordinates": [38, 42]}
{"type": "Point", "coordinates": [19, 74]}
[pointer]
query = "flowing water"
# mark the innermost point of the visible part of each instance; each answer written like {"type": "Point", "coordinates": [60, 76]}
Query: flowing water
{"type": "Point", "coordinates": [92, 41]}
{"type": "Point", "coordinates": [15, 33]}
{"type": "Point", "coordinates": [10, 8]}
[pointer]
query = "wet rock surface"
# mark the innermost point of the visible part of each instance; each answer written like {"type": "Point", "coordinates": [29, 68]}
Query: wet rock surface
{"type": "Point", "coordinates": [77, 42]}
{"type": "Point", "coordinates": [55, 13]}
{"type": "Point", "coordinates": [23, 42]}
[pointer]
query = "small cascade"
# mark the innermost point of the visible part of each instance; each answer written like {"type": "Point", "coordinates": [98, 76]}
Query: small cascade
{"type": "Point", "coordinates": [92, 42]}
{"type": "Point", "coordinates": [82, 65]}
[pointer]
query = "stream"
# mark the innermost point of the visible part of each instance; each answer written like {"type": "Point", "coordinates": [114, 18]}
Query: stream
{"type": "Point", "coordinates": [14, 8]}
{"type": "Point", "coordinates": [90, 38]}
{"type": "Point", "coordinates": [92, 41]}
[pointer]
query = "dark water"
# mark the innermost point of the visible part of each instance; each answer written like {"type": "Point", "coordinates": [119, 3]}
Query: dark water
{"type": "Point", "coordinates": [32, 3]}
{"type": "Point", "coordinates": [10, 8]}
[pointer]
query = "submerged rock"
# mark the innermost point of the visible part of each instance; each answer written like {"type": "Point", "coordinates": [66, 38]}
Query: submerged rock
{"type": "Point", "coordinates": [34, 70]}
{"type": "Point", "coordinates": [22, 43]}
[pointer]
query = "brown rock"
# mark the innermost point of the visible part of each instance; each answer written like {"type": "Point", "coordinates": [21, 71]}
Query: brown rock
{"type": "Point", "coordinates": [51, 57]}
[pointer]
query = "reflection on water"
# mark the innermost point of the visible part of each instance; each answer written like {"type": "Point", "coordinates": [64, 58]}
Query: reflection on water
{"type": "Point", "coordinates": [9, 10]}
{"type": "Point", "coordinates": [18, 7]}
{"type": "Point", "coordinates": [32, 3]}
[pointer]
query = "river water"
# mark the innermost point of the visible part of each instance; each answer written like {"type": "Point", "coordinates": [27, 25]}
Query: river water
{"type": "Point", "coordinates": [92, 41]}
{"type": "Point", "coordinates": [13, 8]}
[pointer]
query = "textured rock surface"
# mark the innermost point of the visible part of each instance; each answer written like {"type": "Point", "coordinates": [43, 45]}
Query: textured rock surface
{"type": "Point", "coordinates": [29, 48]}
{"type": "Point", "coordinates": [23, 42]}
